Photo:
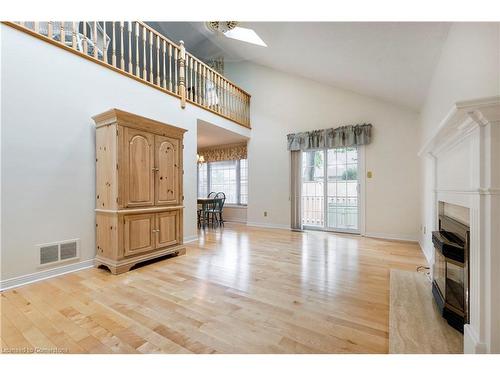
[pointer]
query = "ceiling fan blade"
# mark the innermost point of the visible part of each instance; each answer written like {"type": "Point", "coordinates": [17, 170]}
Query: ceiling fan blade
{"type": "Point", "coordinates": [245, 35]}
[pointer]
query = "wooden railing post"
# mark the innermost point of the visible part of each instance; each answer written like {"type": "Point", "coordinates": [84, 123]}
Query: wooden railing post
{"type": "Point", "coordinates": [49, 29]}
{"type": "Point", "coordinates": [182, 75]}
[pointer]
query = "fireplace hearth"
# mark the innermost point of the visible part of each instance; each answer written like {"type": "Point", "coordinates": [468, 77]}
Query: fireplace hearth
{"type": "Point", "coordinates": [450, 285]}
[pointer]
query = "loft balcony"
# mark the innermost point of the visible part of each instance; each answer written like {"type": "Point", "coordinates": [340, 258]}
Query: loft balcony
{"type": "Point", "coordinates": [136, 50]}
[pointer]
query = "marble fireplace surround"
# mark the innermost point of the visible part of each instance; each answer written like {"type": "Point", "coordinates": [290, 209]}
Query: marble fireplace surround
{"type": "Point", "coordinates": [463, 168]}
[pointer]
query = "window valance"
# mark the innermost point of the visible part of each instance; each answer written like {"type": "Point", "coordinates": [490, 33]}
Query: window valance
{"type": "Point", "coordinates": [344, 136]}
{"type": "Point", "coordinates": [236, 151]}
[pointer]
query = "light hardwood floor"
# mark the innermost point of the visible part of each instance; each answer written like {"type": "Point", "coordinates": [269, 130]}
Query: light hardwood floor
{"type": "Point", "coordinates": [238, 290]}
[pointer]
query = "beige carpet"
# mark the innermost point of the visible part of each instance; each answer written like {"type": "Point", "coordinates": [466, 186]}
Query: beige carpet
{"type": "Point", "coordinates": [415, 324]}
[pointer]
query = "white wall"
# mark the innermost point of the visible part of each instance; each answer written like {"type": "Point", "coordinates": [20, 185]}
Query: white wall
{"type": "Point", "coordinates": [282, 104]}
{"type": "Point", "coordinates": [468, 68]}
{"type": "Point", "coordinates": [235, 214]}
{"type": "Point", "coordinates": [48, 152]}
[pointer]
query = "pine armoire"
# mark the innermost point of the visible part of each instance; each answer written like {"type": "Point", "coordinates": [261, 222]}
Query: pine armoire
{"type": "Point", "coordinates": [139, 197]}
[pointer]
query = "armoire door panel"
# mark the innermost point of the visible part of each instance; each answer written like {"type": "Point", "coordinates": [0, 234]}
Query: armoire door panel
{"type": "Point", "coordinates": [167, 172]}
{"type": "Point", "coordinates": [139, 233]}
{"type": "Point", "coordinates": [168, 226]}
{"type": "Point", "coordinates": [139, 168]}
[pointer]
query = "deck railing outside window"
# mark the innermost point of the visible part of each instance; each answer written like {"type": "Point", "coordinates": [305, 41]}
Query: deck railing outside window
{"type": "Point", "coordinates": [140, 52]}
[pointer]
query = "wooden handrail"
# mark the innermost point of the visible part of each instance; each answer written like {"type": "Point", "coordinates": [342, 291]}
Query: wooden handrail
{"type": "Point", "coordinates": [160, 35]}
{"type": "Point", "coordinates": [138, 51]}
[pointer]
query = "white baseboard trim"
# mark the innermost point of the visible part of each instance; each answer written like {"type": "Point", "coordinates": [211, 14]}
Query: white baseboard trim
{"type": "Point", "coordinates": [471, 341]}
{"type": "Point", "coordinates": [235, 221]}
{"type": "Point", "coordinates": [388, 236]}
{"type": "Point", "coordinates": [267, 225]}
{"type": "Point", "coordinates": [428, 255]}
{"type": "Point", "coordinates": [54, 272]}
{"type": "Point", "coordinates": [188, 239]}
{"type": "Point", "coordinates": [45, 274]}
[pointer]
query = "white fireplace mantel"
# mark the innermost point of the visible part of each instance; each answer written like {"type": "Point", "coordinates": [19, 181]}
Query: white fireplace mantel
{"type": "Point", "coordinates": [461, 119]}
{"type": "Point", "coordinates": [464, 155]}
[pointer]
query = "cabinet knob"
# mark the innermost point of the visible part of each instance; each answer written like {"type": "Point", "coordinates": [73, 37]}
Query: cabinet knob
{"type": "Point", "coordinates": [155, 169]}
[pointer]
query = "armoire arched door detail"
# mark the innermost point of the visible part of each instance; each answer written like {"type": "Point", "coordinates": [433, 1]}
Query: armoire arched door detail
{"type": "Point", "coordinates": [167, 171]}
{"type": "Point", "coordinates": [139, 168]}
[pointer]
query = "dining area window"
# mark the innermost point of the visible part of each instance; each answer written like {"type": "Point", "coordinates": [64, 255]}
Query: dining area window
{"type": "Point", "coordinates": [229, 176]}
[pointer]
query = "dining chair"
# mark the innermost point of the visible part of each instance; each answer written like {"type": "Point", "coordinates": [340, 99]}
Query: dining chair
{"type": "Point", "coordinates": [208, 210]}
{"type": "Point", "coordinates": [205, 210]}
{"type": "Point", "coordinates": [199, 217]}
{"type": "Point", "coordinates": [220, 199]}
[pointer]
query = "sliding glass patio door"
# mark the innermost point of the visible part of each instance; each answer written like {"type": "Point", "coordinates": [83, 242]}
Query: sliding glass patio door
{"type": "Point", "coordinates": [330, 189]}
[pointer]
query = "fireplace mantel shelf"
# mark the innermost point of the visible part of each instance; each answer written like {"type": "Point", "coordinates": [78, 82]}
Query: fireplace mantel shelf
{"type": "Point", "coordinates": [463, 117]}
{"type": "Point", "coordinates": [488, 191]}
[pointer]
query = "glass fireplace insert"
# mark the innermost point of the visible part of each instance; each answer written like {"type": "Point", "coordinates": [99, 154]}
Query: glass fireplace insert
{"type": "Point", "coordinates": [450, 285]}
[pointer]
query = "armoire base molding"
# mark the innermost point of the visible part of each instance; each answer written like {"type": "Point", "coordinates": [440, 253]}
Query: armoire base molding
{"type": "Point", "coordinates": [124, 265]}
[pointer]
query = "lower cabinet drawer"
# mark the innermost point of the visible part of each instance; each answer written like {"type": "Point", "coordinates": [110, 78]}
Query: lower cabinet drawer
{"type": "Point", "coordinates": [146, 232]}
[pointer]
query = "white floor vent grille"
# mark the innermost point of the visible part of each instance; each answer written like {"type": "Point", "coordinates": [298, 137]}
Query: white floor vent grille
{"type": "Point", "coordinates": [58, 251]}
{"type": "Point", "coordinates": [49, 254]}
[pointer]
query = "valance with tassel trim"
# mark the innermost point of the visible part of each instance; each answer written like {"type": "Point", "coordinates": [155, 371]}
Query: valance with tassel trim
{"type": "Point", "coordinates": [237, 151]}
{"type": "Point", "coordinates": [344, 136]}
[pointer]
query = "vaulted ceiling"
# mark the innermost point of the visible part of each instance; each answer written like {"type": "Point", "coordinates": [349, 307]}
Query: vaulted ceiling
{"type": "Point", "coordinates": [393, 61]}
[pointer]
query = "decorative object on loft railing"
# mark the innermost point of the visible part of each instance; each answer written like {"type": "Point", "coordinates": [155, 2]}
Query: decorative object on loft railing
{"type": "Point", "coordinates": [344, 136]}
{"type": "Point", "coordinates": [138, 51]}
{"type": "Point", "coordinates": [235, 151]}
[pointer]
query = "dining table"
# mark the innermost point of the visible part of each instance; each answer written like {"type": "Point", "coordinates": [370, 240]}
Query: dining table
{"type": "Point", "coordinates": [205, 202]}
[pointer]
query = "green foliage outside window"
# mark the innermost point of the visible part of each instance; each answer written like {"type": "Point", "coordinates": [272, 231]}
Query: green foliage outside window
{"type": "Point", "coordinates": [350, 174]}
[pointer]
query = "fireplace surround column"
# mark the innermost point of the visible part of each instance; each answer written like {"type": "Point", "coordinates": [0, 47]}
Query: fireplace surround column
{"type": "Point", "coordinates": [465, 155]}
